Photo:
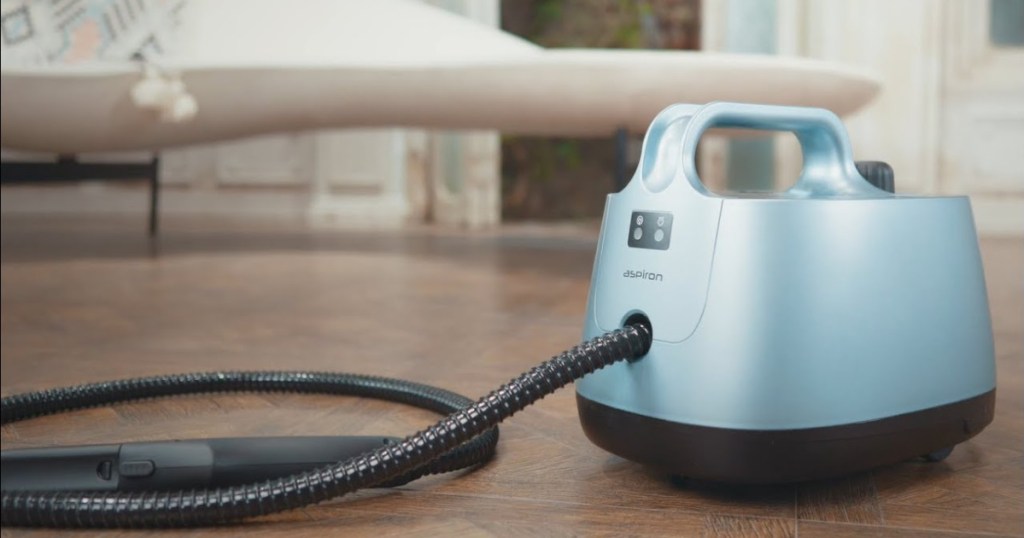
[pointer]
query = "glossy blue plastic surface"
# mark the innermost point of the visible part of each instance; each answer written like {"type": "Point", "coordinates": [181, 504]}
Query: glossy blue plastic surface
{"type": "Point", "coordinates": [831, 303]}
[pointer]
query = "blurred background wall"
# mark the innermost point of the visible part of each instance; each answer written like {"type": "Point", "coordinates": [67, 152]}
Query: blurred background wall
{"type": "Point", "coordinates": [351, 177]}
{"type": "Point", "coordinates": [950, 119]}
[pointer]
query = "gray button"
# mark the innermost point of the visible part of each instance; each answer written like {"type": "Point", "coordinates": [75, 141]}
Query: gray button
{"type": "Point", "coordinates": [136, 469]}
{"type": "Point", "coordinates": [659, 235]}
{"type": "Point", "coordinates": [637, 233]}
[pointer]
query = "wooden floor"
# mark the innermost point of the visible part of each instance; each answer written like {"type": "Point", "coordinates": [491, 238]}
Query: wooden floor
{"type": "Point", "coordinates": [86, 300]}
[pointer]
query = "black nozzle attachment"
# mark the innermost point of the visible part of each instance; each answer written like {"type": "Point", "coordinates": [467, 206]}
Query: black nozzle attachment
{"type": "Point", "coordinates": [168, 465]}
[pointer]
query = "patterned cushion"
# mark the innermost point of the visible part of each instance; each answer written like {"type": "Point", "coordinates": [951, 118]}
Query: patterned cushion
{"type": "Point", "coordinates": [69, 32]}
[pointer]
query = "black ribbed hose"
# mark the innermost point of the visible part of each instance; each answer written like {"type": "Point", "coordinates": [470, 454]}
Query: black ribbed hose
{"type": "Point", "coordinates": [464, 437]}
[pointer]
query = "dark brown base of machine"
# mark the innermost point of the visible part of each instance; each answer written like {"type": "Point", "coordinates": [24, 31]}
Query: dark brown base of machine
{"type": "Point", "coordinates": [779, 456]}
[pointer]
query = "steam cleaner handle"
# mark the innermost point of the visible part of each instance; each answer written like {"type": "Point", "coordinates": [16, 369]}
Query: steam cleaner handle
{"type": "Point", "coordinates": [173, 465]}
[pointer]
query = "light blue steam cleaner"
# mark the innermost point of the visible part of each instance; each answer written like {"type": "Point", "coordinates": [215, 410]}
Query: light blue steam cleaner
{"type": "Point", "coordinates": [815, 332]}
{"type": "Point", "coordinates": [826, 329]}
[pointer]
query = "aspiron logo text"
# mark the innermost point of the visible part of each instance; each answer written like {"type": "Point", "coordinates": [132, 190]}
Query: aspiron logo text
{"type": "Point", "coordinates": [643, 275]}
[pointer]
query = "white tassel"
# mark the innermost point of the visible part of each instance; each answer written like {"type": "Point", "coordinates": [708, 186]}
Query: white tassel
{"type": "Point", "coordinates": [165, 94]}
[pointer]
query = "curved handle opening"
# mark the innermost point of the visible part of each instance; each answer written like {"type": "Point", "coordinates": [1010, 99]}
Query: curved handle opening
{"type": "Point", "coordinates": [828, 167]}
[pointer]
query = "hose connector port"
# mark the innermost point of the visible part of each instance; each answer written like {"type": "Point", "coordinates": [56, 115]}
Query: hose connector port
{"type": "Point", "coordinates": [643, 325]}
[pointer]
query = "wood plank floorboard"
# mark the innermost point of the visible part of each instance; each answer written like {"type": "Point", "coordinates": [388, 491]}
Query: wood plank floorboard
{"type": "Point", "coordinates": [87, 299]}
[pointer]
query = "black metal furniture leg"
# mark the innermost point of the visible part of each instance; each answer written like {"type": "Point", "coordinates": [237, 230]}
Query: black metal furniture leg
{"type": "Point", "coordinates": [154, 196]}
{"type": "Point", "coordinates": [67, 168]}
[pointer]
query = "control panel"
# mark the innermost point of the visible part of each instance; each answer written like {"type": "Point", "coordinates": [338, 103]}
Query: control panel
{"type": "Point", "coordinates": [650, 229]}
